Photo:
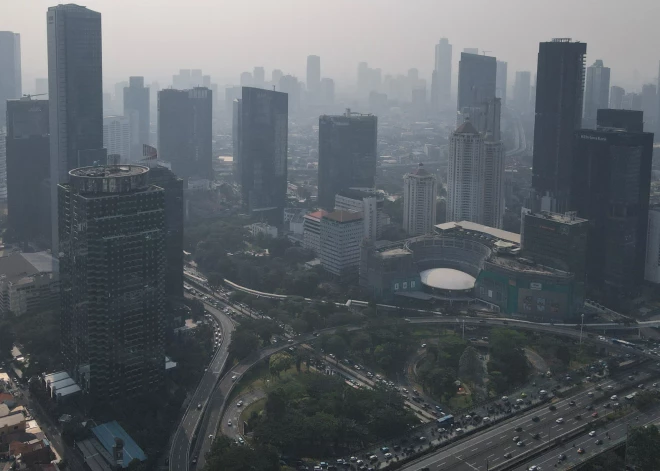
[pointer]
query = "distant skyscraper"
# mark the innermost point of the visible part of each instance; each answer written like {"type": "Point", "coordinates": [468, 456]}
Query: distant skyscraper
{"type": "Point", "coordinates": [236, 139]}
{"type": "Point", "coordinates": [196, 78]}
{"type": "Point", "coordinates": [327, 91]}
{"type": "Point", "coordinates": [28, 163]}
{"type": "Point", "coordinates": [137, 109]}
{"type": "Point", "coordinates": [246, 79]}
{"type": "Point", "coordinates": [464, 182]}
{"type": "Point", "coordinates": [290, 85]}
{"type": "Point", "coordinates": [263, 138]}
{"type": "Point", "coordinates": [597, 93]}
{"type": "Point", "coordinates": [75, 83]}
{"type": "Point", "coordinates": [276, 75]}
{"type": "Point", "coordinates": [442, 92]}
{"type": "Point", "coordinates": [3, 166]}
{"type": "Point", "coordinates": [347, 154]}
{"type": "Point", "coordinates": [501, 81]}
{"type": "Point", "coordinates": [185, 134]}
{"type": "Point", "coordinates": [10, 71]}
{"type": "Point", "coordinates": [112, 281]}
{"type": "Point", "coordinates": [559, 95]}
{"type": "Point", "coordinates": [649, 106]}
{"type": "Point", "coordinates": [522, 91]}
{"type": "Point", "coordinates": [117, 137]}
{"type": "Point", "coordinates": [259, 77]}
{"type": "Point", "coordinates": [314, 76]}
{"type": "Point", "coordinates": [610, 187]}
{"type": "Point", "coordinates": [492, 205]}
{"type": "Point", "coordinates": [182, 81]}
{"type": "Point", "coordinates": [420, 190]}
{"type": "Point", "coordinates": [616, 97]}
{"type": "Point", "coordinates": [477, 76]}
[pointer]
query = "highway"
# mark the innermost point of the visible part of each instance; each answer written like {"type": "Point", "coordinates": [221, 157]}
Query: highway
{"type": "Point", "coordinates": [491, 445]}
{"type": "Point", "coordinates": [180, 448]}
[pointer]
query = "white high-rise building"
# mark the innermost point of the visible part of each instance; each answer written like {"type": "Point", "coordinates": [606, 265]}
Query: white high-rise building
{"type": "Point", "coordinates": [464, 188]}
{"type": "Point", "coordinates": [597, 93]}
{"type": "Point", "coordinates": [117, 137]}
{"type": "Point", "coordinates": [419, 201]}
{"type": "Point", "coordinates": [341, 236]}
{"type": "Point", "coordinates": [370, 204]}
{"type": "Point", "coordinates": [312, 231]}
{"type": "Point", "coordinates": [475, 177]}
{"type": "Point", "coordinates": [652, 265]}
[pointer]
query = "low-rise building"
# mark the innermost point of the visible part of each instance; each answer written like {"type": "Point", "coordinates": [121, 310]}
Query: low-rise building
{"type": "Point", "coordinates": [10, 426]}
{"type": "Point", "coordinates": [29, 282]}
{"type": "Point", "coordinates": [341, 235]}
{"type": "Point", "coordinates": [312, 231]}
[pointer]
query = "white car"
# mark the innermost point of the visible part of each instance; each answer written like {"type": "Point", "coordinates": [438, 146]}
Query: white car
{"type": "Point", "coordinates": [592, 433]}
{"type": "Point", "coordinates": [229, 423]}
{"type": "Point", "coordinates": [560, 420]}
{"type": "Point", "coordinates": [239, 403]}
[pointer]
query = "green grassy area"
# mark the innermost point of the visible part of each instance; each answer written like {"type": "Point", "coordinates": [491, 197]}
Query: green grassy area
{"type": "Point", "coordinates": [460, 402]}
{"type": "Point", "coordinates": [256, 406]}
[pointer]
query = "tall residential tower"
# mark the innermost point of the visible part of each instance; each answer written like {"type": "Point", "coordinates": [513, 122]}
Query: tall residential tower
{"type": "Point", "coordinates": [10, 70]}
{"type": "Point", "coordinates": [420, 190]}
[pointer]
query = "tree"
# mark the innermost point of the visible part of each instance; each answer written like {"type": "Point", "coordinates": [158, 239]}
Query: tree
{"type": "Point", "coordinates": [470, 366]}
{"type": "Point", "coordinates": [644, 448]}
{"type": "Point", "coordinates": [243, 343]}
{"type": "Point", "coordinates": [225, 455]}
{"type": "Point", "coordinates": [336, 345]}
{"type": "Point", "coordinates": [279, 362]}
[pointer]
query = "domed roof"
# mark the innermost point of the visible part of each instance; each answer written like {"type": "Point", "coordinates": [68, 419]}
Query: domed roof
{"type": "Point", "coordinates": [421, 171]}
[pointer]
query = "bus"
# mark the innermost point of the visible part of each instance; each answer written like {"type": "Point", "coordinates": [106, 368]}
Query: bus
{"type": "Point", "coordinates": [446, 422]}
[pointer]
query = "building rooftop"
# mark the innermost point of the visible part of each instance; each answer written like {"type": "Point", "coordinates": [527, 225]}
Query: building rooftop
{"type": "Point", "coordinates": [106, 434]}
{"type": "Point", "coordinates": [108, 171]}
{"type": "Point", "coordinates": [447, 279]}
{"type": "Point", "coordinates": [420, 171]}
{"type": "Point", "coordinates": [340, 215]}
{"type": "Point", "coordinates": [393, 253]}
{"type": "Point", "coordinates": [466, 128]}
{"type": "Point", "coordinates": [567, 218]}
{"type": "Point", "coordinates": [317, 214]}
{"type": "Point", "coordinates": [11, 420]}
{"type": "Point", "coordinates": [16, 265]}
{"type": "Point", "coordinates": [473, 226]}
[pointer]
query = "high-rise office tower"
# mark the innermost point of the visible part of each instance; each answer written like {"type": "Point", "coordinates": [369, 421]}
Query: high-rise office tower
{"type": "Point", "coordinates": [275, 77]}
{"type": "Point", "coordinates": [649, 106]}
{"type": "Point", "coordinates": [441, 93]}
{"type": "Point", "coordinates": [263, 134]}
{"type": "Point", "coordinates": [559, 95]}
{"type": "Point", "coordinates": [137, 109]}
{"type": "Point", "coordinates": [610, 187]}
{"type": "Point", "coordinates": [492, 205]}
{"type": "Point", "coordinates": [522, 91]}
{"type": "Point", "coordinates": [236, 139]}
{"type": "Point", "coordinates": [652, 264]}
{"type": "Point", "coordinates": [477, 76]}
{"type": "Point", "coordinates": [290, 85]}
{"type": "Point", "coordinates": [164, 178]}
{"type": "Point", "coordinates": [501, 81]}
{"type": "Point", "coordinates": [196, 78]}
{"type": "Point", "coordinates": [363, 80]}
{"type": "Point", "coordinates": [112, 281]}
{"type": "Point", "coordinates": [464, 182]}
{"type": "Point", "coordinates": [597, 93]}
{"type": "Point", "coordinates": [10, 71]}
{"type": "Point", "coordinates": [75, 91]}
{"type": "Point", "coordinates": [616, 97]}
{"type": "Point", "coordinates": [327, 91]}
{"type": "Point", "coordinates": [628, 120]}
{"type": "Point", "coordinates": [314, 76]}
{"type": "Point", "coordinates": [420, 191]}
{"type": "Point", "coordinates": [347, 154]}
{"type": "Point", "coordinates": [206, 81]}
{"type": "Point", "coordinates": [182, 80]}
{"type": "Point", "coordinates": [246, 79]}
{"type": "Point", "coordinates": [117, 139]}
{"type": "Point", "coordinates": [185, 135]}
{"type": "Point", "coordinates": [28, 162]}
{"type": "Point", "coordinates": [259, 77]}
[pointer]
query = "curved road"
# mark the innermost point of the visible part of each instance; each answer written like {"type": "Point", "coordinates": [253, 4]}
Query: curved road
{"type": "Point", "coordinates": [180, 447]}
{"type": "Point", "coordinates": [233, 413]}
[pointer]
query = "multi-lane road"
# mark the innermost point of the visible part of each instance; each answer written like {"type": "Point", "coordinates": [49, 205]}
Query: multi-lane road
{"type": "Point", "coordinates": [180, 448]}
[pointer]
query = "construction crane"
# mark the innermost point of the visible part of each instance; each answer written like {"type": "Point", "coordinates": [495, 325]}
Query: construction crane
{"type": "Point", "coordinates": [28, 96]}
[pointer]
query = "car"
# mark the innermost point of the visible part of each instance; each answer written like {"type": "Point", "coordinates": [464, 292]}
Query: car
{"type": "Point", "coordinates": [614, 397]}
{"type": "Point", "coordinates": [552, 407]}
{"type": "Point", "coordinates": [519, 429]}
{"type": "Point", "coordinates": [210, 437]}
{"type": "Point", "coordinates": [607, 405]}
{"type": "Point", "coordinates": [535, 418]}
{"type": "Point", "coordinates": [373, 458]}
{"type": "Point", "coordinates": [520, 443]}
{"type": "Point", "coordinates": [353, 459]}
{"type": "Point", "coordinates": [590, 394]}
{"type": "Point", "coordinates": [572, 403]}
{"type": "Point", "coordinates": [423, 345]}
{"type": "Point", "coordinates": [578, 417]}
{"type": "Point", "coordinates": [233, 378]}
{"type": "Point", "coordinates": [229, 423]}
{"type": "Point", "coordinates": [422, 439]}
{"type": "Point", "coordinates": [523, 394]}
{"type": "Point", "coordinates": [388, 456]}
{"type": "Point", "coordinates": [194, 460]}
{"type": "Point", "coordinates": [239, 404]}
{"type": "Point", "coordinates": [594, 415]}
{"type": "Point", "coordinates": [533, 468]}
{"type": "Point", "coordinates": [460, 430]}
{"type": "Point", "coordinates": [507, 456]}
{"type": "Point", "coordinates": [384, 449]}
{"type": "Point", "coordinates": [592, 433]}
{"type": "Point", "coordinates": [560, 420]}
{"type": "Point", "coordinates": [580, 451]}
{"type": "Point", "coordinates": [519, 401]}
{"type": "Point", "coordinates": [641, 386]}
{"type": "Point", "coordinates": [536, 436]}
{"type": "Point", "coordinates": [599, 442]}
{"type": "Point", "coordinates": [505, 399]}
{"type": "Point", "coordinates": [199, 406]}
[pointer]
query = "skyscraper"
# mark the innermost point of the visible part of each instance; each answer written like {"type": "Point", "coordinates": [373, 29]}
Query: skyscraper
{"type": "Point", "coordinates": [610, 187]}
{"type": "Point", "coordinates": [263, 135]}
{"type": "Point", "coordinates": [75, 90]}
{"type": "Point", "coordinates": [259, 77]}
{"type": "Point", "coordinates": [419, 201]}
{"type": "Point", "coordinates": [442, 69]}
{"type": "Point", "coordinates": [236, 139]}
{"type": "Point", "coordinates": [616, 97]}
{"type": "Point", "coordinates": [290, 85]}
{"type": "Point", "coordinates": [501, 81]}
{"type": "Point", "coordinates": [117, 140]}
{"type": "Point", "coordinates": [347, 154]}
{"type": "Point", "coordinates": [477, 77]}
{"type": "Point", "coordinates": [649, 106]}
{"type": "Point", "coordinates": [112, 281]}
{"type": "Point", "coordinates": [464, 183]}
{"type": "Point", "coordinates": [137, 109]}
{"type": "Point", "coordinates": [492, 205]}
{"type": "Point", "coordinates": [522, 91]}
{"type": "Point", "coordinates": [185, 131]}
{"type": "Point", "coordinates": [10, 71]}
{"type": "Point", "coordinates": [28, 162]}
{"type": "Point", "coordinates": [559, 94]}
{"type": "Point", "coordinates": [597, 93]}
{"type": "Point", "coordinates": [327, 91]}
{"type": "Point", "coordinates": [314, 77]}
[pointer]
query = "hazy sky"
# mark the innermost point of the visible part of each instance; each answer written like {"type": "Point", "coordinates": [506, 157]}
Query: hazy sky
{"type": "Point", "coordinates": [155, 38]}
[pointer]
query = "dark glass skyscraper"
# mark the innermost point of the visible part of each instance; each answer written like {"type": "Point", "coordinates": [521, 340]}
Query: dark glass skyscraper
{"type": "Point", "coordinates": [610, 187]}
{"type": "Point", "coordinates": [75, 91]}
{"type": "Point", "coordinates": [347, 154]}
{"type": "Point", "coordinates": [112, 281]}
{"type": "Point", "coordinates": [441, 83]}
{"type": "Point", "coordinates": [28, 170]}
{"type": "Point", "coordinates": [262, 165]}
{"type": "Point", "coordinates": [597, 93]}
{"type": "Point", "coordinates": [10, 70]}
{"type": "Point", "coordinates": [185, 135]}
{"type": "Point", "coordinates": [136, 108]}
{"type": "Point", "coordinates": [477, 78]}
{"type": "Point", "coordinates": [559, 94]}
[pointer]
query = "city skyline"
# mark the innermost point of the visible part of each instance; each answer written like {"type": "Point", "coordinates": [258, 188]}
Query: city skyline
{"type": "Point", "coordinates": [631, 60]}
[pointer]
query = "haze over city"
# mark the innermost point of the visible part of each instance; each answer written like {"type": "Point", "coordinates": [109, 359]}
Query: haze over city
{"type": "Point", "coordinates": [157, 37]}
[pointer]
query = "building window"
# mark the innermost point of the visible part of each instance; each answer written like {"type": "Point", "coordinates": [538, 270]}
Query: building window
{"type": "Point", "coordinates": [412, 284]}
{"type": "Point", "coordinates": [396, 286]}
